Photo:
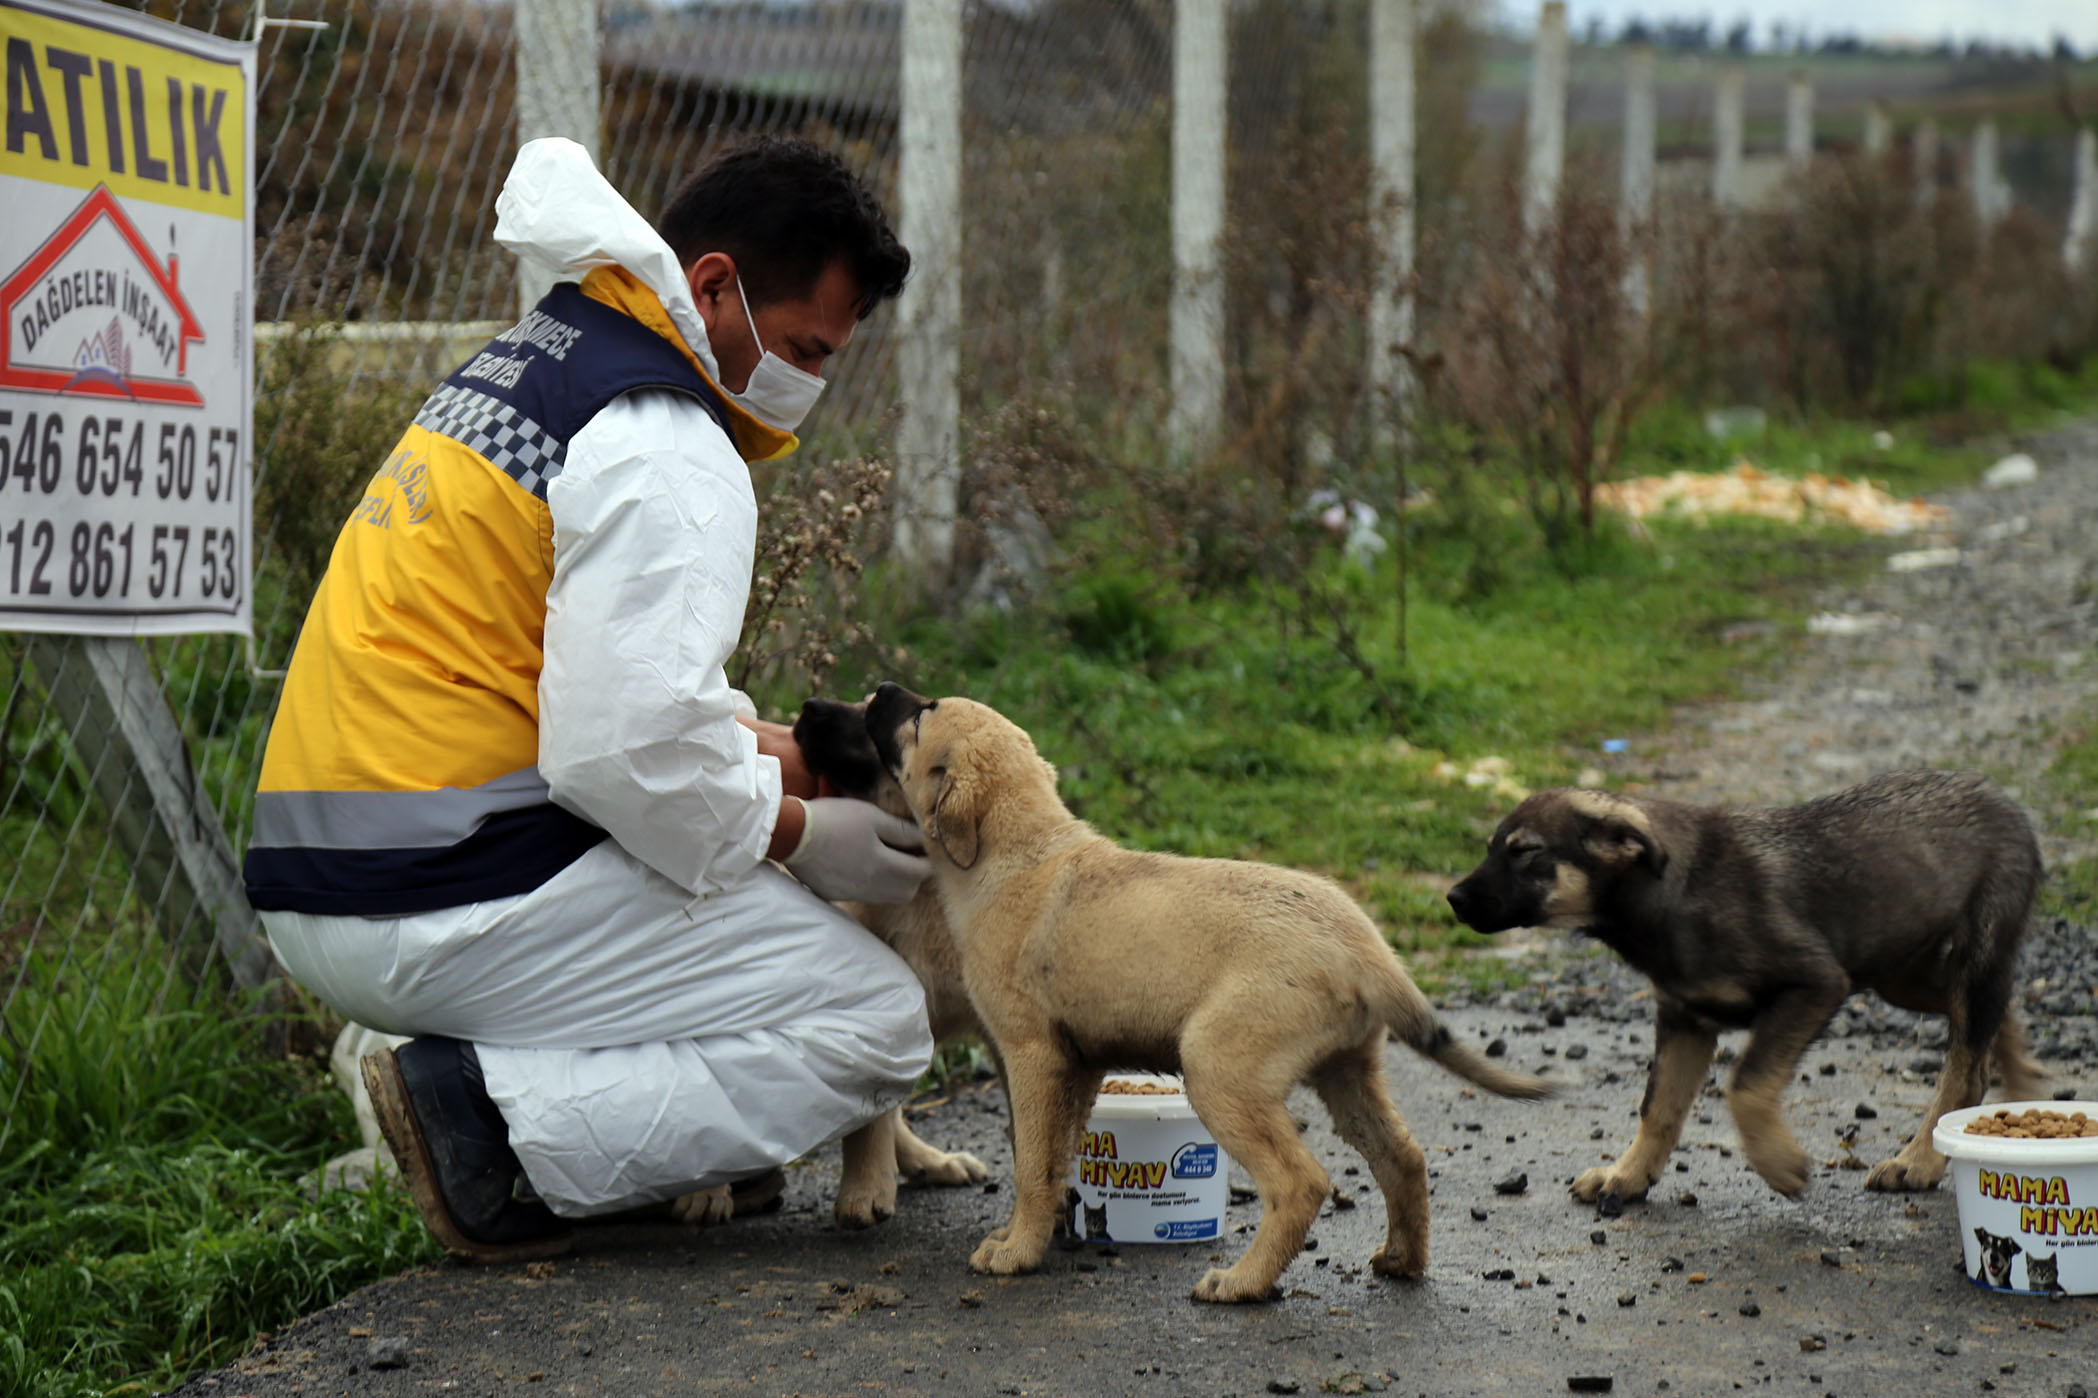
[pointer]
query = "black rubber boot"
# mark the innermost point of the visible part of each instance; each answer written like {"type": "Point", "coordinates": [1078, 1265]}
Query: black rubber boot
{"type": "Point", "coordinates": [454, 1152]}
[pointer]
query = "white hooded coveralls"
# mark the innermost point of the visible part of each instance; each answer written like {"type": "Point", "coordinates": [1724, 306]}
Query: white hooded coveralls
{"type": "Point", "coordinates": [668, 1011]}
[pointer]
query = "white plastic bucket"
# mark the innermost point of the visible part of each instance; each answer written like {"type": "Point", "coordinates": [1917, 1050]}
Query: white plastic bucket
{"type": "Point", "coordinates": [1147, 1170]}
{"type": "Point", "coordinates": [2027, 1208]}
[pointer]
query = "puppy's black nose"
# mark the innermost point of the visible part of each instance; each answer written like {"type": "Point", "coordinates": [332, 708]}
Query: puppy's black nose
{"type": "Point", "coordinates": [1460, 902]}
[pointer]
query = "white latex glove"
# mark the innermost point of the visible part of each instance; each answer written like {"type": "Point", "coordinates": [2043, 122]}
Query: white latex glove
{"type": "Point", "coordinates": [855, 850]}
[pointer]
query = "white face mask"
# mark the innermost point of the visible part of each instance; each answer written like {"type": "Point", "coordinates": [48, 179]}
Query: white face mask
{"type": "Point", "coordinates": [778, 394]}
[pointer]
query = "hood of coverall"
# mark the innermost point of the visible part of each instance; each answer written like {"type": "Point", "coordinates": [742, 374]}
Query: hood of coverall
{"type": "Point", "coordinates": [562, 218]}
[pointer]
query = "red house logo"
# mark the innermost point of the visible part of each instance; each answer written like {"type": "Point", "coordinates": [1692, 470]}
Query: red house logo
{"type": "Point", "coordinates": [95, 313]}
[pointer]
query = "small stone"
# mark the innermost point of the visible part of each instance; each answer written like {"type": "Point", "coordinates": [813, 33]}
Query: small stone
{"type": "Point", "coordinates": [1627, 1298]}
{"type": "Point", "coordinates": [2075, 1391]}
{"type": "Point", "coordinates": [971, 1299]}
{"type": "Point", "coordinates": [1697, 1279]}
{"type": "Point", "coordinates": [1687, 1199]}
{"type": "Point", "coordinates": [1478, 1213]}
{"type": "Point", "coordinates": [1497, 1049]}
{"type": "Point", "coordinates": [1830, 1257]}
{"type": "Point", "coordinates": [1589, 1383]}
{"type": "Point", "coordinates": [1926, 1063]}
{"type": "Point", "coordinates": [1576, 1052]}
{"type": "Point", "coordinates": [1610, 1205]}
{"type": "Point", "coordinates": [389, 1352]}
{"type": "Point", "coordinates": [1751, 1309]}
{"type": "Point", "coordinates": [1947, 1346]}
{"type": "Point", "coordinates": [1598, 1237]}
{"type": "Point", "coordinates": [1282, 1386]}
{"type": "Point", "coordinates": [1812, 1344]}
{"type": "Point", "coordinates": [1865, 1111]}
{"type": "Point", "coordinates": [1512, 1184]}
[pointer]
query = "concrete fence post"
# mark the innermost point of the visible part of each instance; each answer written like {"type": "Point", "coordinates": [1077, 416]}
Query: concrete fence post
{"type": "Point", "coordinates": [1879, 132]}
{"type": "Point", "coordinates": [929, 180]}
{"type": "Point", "coordinates": [1636, 197]}
{"type": "Point", "coordinates": [2083, 205]}
{"type": "Point", "coordinates": [1923, 154]}
{"type": "Point", "coordinates": [1727, 96]}
{"type": "Point", "coordinates": [558, 91]}
{"type": "Point", "coordinates": [1991, 197]}
{"type": "Point", "coordinates": [1799, 123]}
{"type": "Point", "coordinates": [1201, 68]}
{"type": "Point", "coordinates": [1545, 128]}
{"type": "Point", "coordinates": [1392, 28]}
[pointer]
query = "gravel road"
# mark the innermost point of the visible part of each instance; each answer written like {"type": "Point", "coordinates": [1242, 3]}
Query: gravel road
{"type": "Point", "coordinates": [1715, 1285]}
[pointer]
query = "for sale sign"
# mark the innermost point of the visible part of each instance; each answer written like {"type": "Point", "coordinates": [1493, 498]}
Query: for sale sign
{"type": "Point", "coordinates": [126, 284]}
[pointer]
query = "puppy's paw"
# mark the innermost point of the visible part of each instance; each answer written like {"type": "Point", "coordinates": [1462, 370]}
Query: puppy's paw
{"type": "Point", "coordinates": [1000, 1256]}
{"type": "Point", "coordinates": [1780, 1161]}
{"type": "Point", "coordinates": [862, 1208]}
{"type": "Point", "coordinates": [1407, 1265]}
{"type": "Point", "coordinates": [1607, 1182]}
{"type": "Point", "coordinates": [1903, 1173]}
{"type": "Point", "coordinates": [703, 1208]}
{"type": "Point", "coordinates": [952, 1168]}
{"type": "Point", "coordinates": [1228, 1286]}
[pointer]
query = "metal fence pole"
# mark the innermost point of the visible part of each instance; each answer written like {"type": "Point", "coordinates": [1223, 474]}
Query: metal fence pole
{"type": "Point", "coordinates": [105, 693]}
{"type": "Point", "coordinates": [558, 44]}
{"type": "Point", "coordinates": [1392, 26]}
{"type": "Point", "coordinates": [1201, 67]}
{"type": "Point", "coordinates": [929, 312]}
{"type": "Point", "coordinates": [1545, 128]}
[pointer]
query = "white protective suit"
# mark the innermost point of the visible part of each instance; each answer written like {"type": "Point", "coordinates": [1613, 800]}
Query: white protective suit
{"type": "Point", "coordinates": [668, 1011]}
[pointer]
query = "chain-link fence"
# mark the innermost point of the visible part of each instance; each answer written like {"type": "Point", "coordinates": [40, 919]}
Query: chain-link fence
{"type": "Point", "coordinates": [382, 138]}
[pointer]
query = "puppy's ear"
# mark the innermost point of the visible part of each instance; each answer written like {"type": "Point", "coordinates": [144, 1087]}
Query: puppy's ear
{"type": "Point", "coordinates": [957, 811]}
{"type": "Point", "coordinates": [1625, 843]}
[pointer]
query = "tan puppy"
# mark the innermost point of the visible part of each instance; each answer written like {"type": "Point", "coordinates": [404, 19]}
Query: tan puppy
{"type": "Point", "coordinates": [1246, 979]}
{"type": "Point", "coordinates": [883, 1153]}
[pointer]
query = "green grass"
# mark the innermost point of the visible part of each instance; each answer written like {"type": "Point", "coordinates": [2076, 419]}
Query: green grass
{"type": "Point", "coordinates": [152, 1219]}
{"type": "Point", "coordinates": [2072, 886]}
{"type": "Point", "coordinates": [1217, 726]}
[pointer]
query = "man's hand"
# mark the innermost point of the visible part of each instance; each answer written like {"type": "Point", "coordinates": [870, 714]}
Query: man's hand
{"type": "Point", "coordinates": [777, 740]}
{"type": "Point", "coordinates": [855, 850]}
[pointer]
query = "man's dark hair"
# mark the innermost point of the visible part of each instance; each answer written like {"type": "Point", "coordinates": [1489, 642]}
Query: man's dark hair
{"type": "Point", "coordinates": [785, 209]}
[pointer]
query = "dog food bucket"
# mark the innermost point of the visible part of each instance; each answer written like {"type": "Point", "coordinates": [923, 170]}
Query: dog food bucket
{"type": "Point", "coordinates": [2027, 1193]}
{"type": "Point", "coordinates": [1147, 1171]}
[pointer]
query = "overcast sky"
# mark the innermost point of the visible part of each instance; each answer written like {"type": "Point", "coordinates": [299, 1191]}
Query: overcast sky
{"type": "Point", "coordinates": [1998, 21]}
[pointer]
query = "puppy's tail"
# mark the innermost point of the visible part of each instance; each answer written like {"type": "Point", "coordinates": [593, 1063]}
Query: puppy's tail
{"type": "Point", "coordinates": [1412, 1019]}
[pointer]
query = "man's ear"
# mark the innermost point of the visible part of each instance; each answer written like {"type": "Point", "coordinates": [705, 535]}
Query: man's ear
{"type": "Point", "coordinates": [956, 813]}
{"type": "Point", "coordinates": [708, 277]}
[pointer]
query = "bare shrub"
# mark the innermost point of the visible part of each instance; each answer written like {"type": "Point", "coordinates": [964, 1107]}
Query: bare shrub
{"type": "Point", "coordinates": [1546, 360]}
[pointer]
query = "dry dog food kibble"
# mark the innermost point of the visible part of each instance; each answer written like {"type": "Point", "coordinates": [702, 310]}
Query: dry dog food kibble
{"type": "Point", "coordinates": [2034, 1125]}
{"type": "Point", "coordinates": [1142, 1089]}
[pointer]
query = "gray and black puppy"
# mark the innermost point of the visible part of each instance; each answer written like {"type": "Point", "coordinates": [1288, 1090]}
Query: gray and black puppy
{"type": "Point", "coordinates": [1917, 885]}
